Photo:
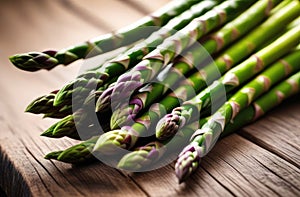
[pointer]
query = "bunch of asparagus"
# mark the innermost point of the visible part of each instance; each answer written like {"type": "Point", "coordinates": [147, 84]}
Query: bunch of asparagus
{"type": "Point", "coordinates": [211, 68]}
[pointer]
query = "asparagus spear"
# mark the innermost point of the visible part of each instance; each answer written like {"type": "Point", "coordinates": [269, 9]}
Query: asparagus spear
{"type": "Point", "coordinates": [206, 75]}
{"type": "Point", "coordinates": [49, 59]}
{"type": "Point", "coordinates": [152, 63]}
{"type": "Point", "coordinates": [159, 153]}
{"type": "Point", "coordinates": [204, 139]}
{"type": "Point", "coordinates": [180, 116]}
{"type": "Point", "coordinates": [146, 96]}
{"type": "Point", "coordinates": [131, 57]}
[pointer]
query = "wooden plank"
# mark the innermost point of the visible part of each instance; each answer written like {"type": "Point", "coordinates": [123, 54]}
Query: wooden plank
{"type": "Point", "coordinates": [246, 169]}
{"type": "Point", "coordinates": [163, 182]}
{"type": "Point", "coordinates": [279, 131]}
{"type": "Point", "coordinates": [22, 160]}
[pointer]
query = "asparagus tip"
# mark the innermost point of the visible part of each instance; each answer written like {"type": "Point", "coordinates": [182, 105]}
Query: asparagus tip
{"type": "Point", "coordinates": [132, 161]}
{"type": "Point", "coordinates": [29, 109]}
{"type": "Point", "coordinates": [49, 131]}
{"type": "Point", "coordinates": [109, 143]}
{"type": "Point", "coordinates": [59, 98]}
{"type": "Point", "coordinates": [166, 128]}
{"type": "Point", "coordinates": [19, 61]}
{"type": "Point", "coordinates": [33, 61]}
{"type": "Point", "coordinates": [53, 155]}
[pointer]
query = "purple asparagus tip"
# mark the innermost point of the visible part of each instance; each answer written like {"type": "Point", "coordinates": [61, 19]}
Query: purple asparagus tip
{"type": "Point", "coordinates": [169, 125]}
{"type": "Point", "coordinates": [187, 162]}
{"type": "Point", "coordinates": [126, 114]}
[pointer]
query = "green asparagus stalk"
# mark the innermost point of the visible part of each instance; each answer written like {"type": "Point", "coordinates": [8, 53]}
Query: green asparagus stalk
{"type": "Point", "coordinates": [180, 116]}
{"type": "Point", "coordinates": [49, 59]}
{"type": "Point", "coordinates": [204, 139]}
{"type": "Point", "coordinates": [123, 115]}
{"type": "Point", "coordinates": [79, 120]}
{"type": "Point", "coordinates": [159, 153]}
{"type": "Point", "coordinates": [159, 58]}
{"type": "Point", "coordinates": [281, 5]}
{"type": "Point", "coordinates": [131, 57]}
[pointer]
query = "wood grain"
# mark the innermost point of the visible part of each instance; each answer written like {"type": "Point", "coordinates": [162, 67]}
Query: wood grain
{"type": "Point", "coordinates": [279, 131]}
{"type": "Point", "coordinates": [246, 169]}
{"type": "Point", "coordinates": [262, 160]}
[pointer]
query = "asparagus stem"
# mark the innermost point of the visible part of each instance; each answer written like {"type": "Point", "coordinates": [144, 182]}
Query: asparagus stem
{"type": "Point", "coordinates": [204, 139]}
{"type": "Point", "coordinates": [125, 114]}
{"type": "Point", "coordinates": [49, 59]}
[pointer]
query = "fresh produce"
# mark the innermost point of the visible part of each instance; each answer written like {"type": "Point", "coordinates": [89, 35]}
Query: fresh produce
{"type": "Point", "coordinates": [49, 59]}
{"type": "Point", "coordinates": [75, 154]}
{"type": "Point", "coordinates": [208, 69]}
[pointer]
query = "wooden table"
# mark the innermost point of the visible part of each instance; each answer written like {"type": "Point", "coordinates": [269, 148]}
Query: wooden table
{"type": "Point", "coordinates": [260, 160]}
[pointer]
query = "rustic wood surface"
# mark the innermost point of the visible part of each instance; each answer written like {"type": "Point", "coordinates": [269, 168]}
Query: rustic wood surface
{"type": "Point", "coordinates": [260, 160]}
